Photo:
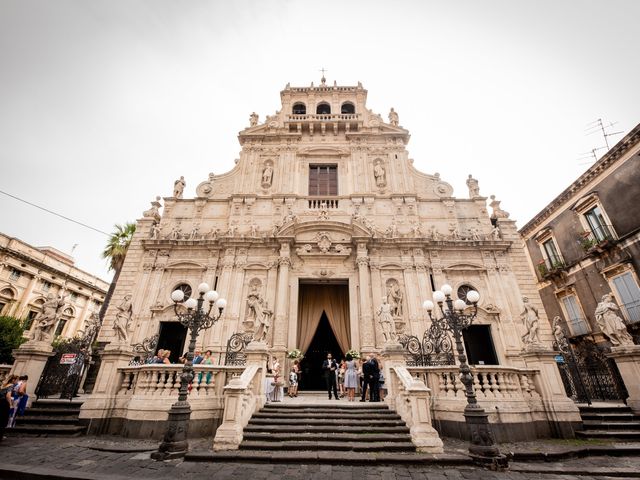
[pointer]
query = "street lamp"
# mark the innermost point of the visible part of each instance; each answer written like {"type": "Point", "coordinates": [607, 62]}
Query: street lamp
{"type": "Point", "coordinates": [455, 320]}
{"type": "Point", "coordinates": [175, 444]}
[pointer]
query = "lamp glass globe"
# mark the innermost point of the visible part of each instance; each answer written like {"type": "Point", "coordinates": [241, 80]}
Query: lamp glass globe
{"type": "Point", "coordinates": [177, 295]}
{"type": "Point", "coordinates": [459, 304]}
{"type": "Point", "coordinates": [211, 296]}
{"type": "Point", "coordinates": [221, 303]}
{"type": "Point", "coordinates": [203, 287]}
{"type": "Point", "coordinates": [473, 296]}
{"type": "Point", "coordinates": [191, 303]}
{"type": "Point", "coordinates": [438, 296]}
{"type": "Point", "coordinates": [446, 289]}
{"type": "Point", "coordinates": [427, 305]}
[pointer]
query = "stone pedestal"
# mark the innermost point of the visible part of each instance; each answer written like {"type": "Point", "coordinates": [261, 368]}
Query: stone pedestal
{"type": "Point", "coordinates": [392, 356]}
{"type": "Point", "coordinates": [627, 359]}
{"type": "Point", "coordinates": [31, 358]}
{"type": "Point", "coordinates": [562, 413]}
{"type": "Point", "coordinates": [97, 406]}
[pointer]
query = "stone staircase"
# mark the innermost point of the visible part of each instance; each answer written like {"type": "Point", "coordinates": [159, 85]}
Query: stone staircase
{"type": "Point", "coordinates": [50, 418]}
{"type": "Point", "coordinates": [615, 422]}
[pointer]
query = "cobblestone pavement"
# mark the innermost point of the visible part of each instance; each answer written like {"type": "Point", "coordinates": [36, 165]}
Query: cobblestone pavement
{"type": "Point", "coordinates": [78, 458]}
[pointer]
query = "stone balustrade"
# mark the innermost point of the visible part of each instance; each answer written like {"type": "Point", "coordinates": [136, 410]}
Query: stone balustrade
{"type": "Point", "coordinates": [324, 117]}
{"type": "Point", "coordinates": [318, 203]}
{"type": "Point", "coordinates": [4, 370]}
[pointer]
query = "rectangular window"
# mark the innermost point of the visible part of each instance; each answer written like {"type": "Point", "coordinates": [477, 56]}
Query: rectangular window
{"type": "Point", "coordinates": [552, 252]}
{"type": "Point", "coordinates": [59, 328]}
{"type": "Point", "coordinates": [15, 274]}
{"type": "Point", "coordinates": [29, 320]}
{"type": "Point", "coordinates": [46, 286]}
{"type": "Point", "coordinates": [629, 295]}
{"type": "Point", "coordinates": [73, 296]}
{"type": "Point", "coordinates": [575, 319]}
{"type": "Point", "coordinates": [323, 180]}
{"type": "Point", "coordinates": [598, 224]}
{"type": "Point", "coordinates": [2, 305]}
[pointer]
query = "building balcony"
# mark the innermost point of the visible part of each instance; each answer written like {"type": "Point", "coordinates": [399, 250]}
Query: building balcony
{"type": "Point", "coordinates": [551, 266]}
{"type": "Point", "coordinates": [598, 239]}
{"type": "Point", "coordinates": [324, 117]}
{"type": "Point", "coordinates": [324, 122]}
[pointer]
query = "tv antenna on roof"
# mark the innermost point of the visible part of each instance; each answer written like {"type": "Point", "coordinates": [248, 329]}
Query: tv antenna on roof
{"type": "Point", "coordinates": [599, 126]}
{"type": "Point", "coordinates": [591, 154]}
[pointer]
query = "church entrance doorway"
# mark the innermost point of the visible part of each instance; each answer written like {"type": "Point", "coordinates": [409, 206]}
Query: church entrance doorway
{"type": "Point", "coordinates": [323, 327]}
{"type": "Point", "coordinates": [479, 345]}
{"type": "Point", "coordinates": [172, 337]}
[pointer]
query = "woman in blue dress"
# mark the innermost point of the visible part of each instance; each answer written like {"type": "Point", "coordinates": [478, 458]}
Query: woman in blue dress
{"type": "Point", "coordinates": [351, 378]}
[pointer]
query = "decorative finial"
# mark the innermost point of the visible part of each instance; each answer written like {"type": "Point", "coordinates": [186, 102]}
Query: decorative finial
{"type": "Point", "coordinates": [323, 80]}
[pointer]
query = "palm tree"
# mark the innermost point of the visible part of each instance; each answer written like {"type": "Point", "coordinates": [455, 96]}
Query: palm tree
{"type": "Point", "coordinates": [115, 252]}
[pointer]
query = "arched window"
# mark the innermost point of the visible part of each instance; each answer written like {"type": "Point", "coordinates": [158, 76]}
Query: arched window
{"type": "Point", "coordinates": [299, 109]}
{"type": "Point", "coordinates": [348, 107]}
{"type": "Point", "coordinates": [186, 289]}
{"type": "Point", "coordinates": [323, 108]}
{"type": "Point", "coordinates": [462, 292]}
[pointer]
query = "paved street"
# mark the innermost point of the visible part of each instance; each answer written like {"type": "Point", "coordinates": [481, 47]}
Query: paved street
{"type": "Point", "coordinates": [87, 458]}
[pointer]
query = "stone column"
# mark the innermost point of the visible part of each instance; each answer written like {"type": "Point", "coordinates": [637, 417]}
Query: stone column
{"type": "Point", "coordinates": [282, 298]}
{"type": "Point", "coordinates": [30, 359]}
{"type": "Point", "coordinates": [562, 412]}
{"type": "Point", "coordinates": [366, 311]}
{"type": "Point", "coordinates": [24, 298]}
{"type": "Point", "coordinates": [627, 358]}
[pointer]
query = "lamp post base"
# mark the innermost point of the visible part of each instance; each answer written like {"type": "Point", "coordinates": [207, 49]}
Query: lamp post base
{"type": "Point", "coordinates": [483, 449]}
{"type": "Point", "coordinates": [175, 444]}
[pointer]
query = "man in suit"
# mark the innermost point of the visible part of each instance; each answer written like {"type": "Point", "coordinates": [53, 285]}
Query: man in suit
{"type": "Point", "coordinates": [329, 367]}
{"type": "Point", "coordinates": [371, 372]}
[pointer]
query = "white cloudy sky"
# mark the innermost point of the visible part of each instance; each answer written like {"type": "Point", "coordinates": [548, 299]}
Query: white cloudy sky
{"type": "Point", "coordinates": [104, 103]}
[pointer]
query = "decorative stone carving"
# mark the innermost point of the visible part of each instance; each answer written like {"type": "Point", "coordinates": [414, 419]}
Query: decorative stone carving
{"type": "Point", "coordinates": [289, 217]}
{"type": "Point", "coordinates": [323, 211]}
{"type": "Point", "coordinates": [530, 320]}
{"type": "Point", "coordinates": [153, 212]}
{"type": "Point", "coordinates": [610, 322]}
{"type": "Point", "coordinates": [394, 119]}
{"type": "Point", "coordinates": [154, 233]}
{"type": "Point", "coordinates": [123, 319]}
{"type": "Point", "coordinates": [497, 211]}
{"type": "Point", "coordinates": [495, 233]}
{"type": "Point", "coordinates": [474, 187]}
{"type": "Point", "coordinates": [415, 229]}
{"type": "Point", "coordinates": [385, 318]}
{"type": "Point", "coordinates": [46, 320]}
{"type": "Point", "coordinates": [253, 119]}
{"type": "Point", "coordinates": [395, 298]}
{"type": "Point", "coordinates": [392, 230]}
{"type": "Point", "coordinates": [176, 233]}
{"type": "Point", "coordinates": [474, 234]}
{"type": "Point", "coordinates": [206, 188]}
{"type": "Point", "coordinates": [324, 241]}
{"type": "Point", "coordinates": [433, 233]}
{"type": "Point", "coordinates": [267, 175]}
{"type": "Point", "coordinates": [178, 187]}
{"type": "Point", "coordinates": [380, 174]}
{"type": "Point", "coordinates": [325, 246]}
{"type": "Point", "coordinates": [195, 233]}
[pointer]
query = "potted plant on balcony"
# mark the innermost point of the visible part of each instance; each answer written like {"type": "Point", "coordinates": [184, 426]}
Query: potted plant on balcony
{"type": "Point", "coordinates": [542, 268]}
{"type": "Point", "coordinates": [587, 241]}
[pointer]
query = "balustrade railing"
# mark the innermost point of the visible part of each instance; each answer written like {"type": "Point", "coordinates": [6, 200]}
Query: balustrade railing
{"type": "Point", "coordinates": [4, 370]}
{"type": "Point", "coordinates": [319, 203]}
{"type": "Point", "coordinates": [490, 382]}
{"type": "Point", "coordinates": [164, 380]}
{"type": "Point", "coordinates": [324, 117]}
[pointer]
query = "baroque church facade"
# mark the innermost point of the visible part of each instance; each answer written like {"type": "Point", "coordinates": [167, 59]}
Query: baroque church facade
{"type": "Point", "coordinates": [322, 220]}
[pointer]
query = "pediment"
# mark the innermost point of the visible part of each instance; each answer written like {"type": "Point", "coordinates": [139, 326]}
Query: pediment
{"type": "Point", "coordinates": [309, 229]}
{"type": "Point", "coordinates": [464, 266]}
{"type": "Point", "coordinates": [323, 151]}
{"type": "Point", "coordinates": [186, 265]}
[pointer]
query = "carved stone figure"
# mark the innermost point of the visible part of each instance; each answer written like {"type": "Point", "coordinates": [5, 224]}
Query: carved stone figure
{"type": "Point", "coordinates": [195, 233]}
{"type": "Point", "coordinates": [474, 187]}
{"type": "Point", "coordinates": [454, 232]}
{"type": "Point", "coordinates": [433, 233]}
{"type": "Point", "coordinates": [497, 211]}
{"type": "Point", "coordinates": [323, 212]}
{"type": "Point", "coordinates": [233, 229]}
{"type": "Point", "coordinates": [123, 318]}
{"type": "Point", "coordinates": [153, 212]}
{"type": "Point", "coordinates": [385, 318]}
{"type": "Point", "coordinates": [392, 230]}
{"type": "Point", "coordinates": [253, 230]}
{"type": "Point", "coordinates": [289, 217]}
{"type": "Point", "coordinates": [415, 229]}
{"type": "Point", "coordinates": [267, 176]}
{"type": "Point", "coordinates": [46, 320]}
{"type": "Point", "coordinates": [154, 234]}
{"type": "Point", "coordinates": [394, 119]}
{"type": "Point", "coordinates": [253, 119]}
{"type": "Point", "coordinates": [379, 174]}
{"type": "Point", "coordinates": [176, 233]}
{"type": "Point", "coordinates": [395, 298]}
{"type": "Point", "coordinates": [178, 187]}
{"type": "Point", "coordinates": [474, 233]}
{"type": "Point", "coordinates": [258, 311]}
{"type": "Point", "coordinates": [495, 233]}
{"type": "Point", "coordinates": [275, 228]}
{"type": "Point", "coordinates": [558, 334]}
{"type": "Point", "coordinates": [91, 328]}
{"type": "Point", "coordinates": [610, 322]}
{"type": "Point", "coordinates": [530, 319]}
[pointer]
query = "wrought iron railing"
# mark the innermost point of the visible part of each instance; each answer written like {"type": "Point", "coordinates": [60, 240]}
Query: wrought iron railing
{"type": "Point", "coordinates": [550, 265]}
{"type": "Point", "coordinates": [598, 237]}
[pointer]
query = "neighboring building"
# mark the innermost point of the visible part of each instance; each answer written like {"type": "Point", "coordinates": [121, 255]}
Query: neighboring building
{"type": "Point", "coordinates": [586, 243]}
{"type": "Point", "coordinates": [322, 217]}
{"type": "Point", "coordinates": [29, 274]}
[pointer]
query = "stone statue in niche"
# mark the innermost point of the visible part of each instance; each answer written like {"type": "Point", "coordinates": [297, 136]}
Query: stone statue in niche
{"type": "Point", "coordinates": [474, 233]}
{"type": "Point", "coordinates": [394, 119]}
{"type": "Point", "coordinates": [176, 233]}
{"type": "Point", "coordinates": [46, 320]}
{"type": "Point", "coordinates": [474, 187]}
{"type": "Point", "coordinates": [385, 317]}
{"type": "Point", "coordinates": [253, 119]}
{"type": "Point", "coordinates": [154, 234]}
{"type": "Point", "coordinates": [178, 187]}
{"type": "Point", "coordinates": [379, 174]}
{"type": "Point", "coordinates": [610, 322]}
{"type": "Point", "coordinates": [123, 318]}
{"type": "Point", "coordinates": [258, 315]}
{"type": "Point", "coordinates": [497, 211]}
{"type": "Point", "coordinates": [530, 319]}
{"type": "Point", "coordinates": [195, 233]}
{"type": "Point", "coordinates": [395, 298]}
{"type": "Point", "coordinates": [495, 233]}
{"type": "Point", "coordinates": [415, 229]}
{"type": "Point", "coordinates": [253, 230]}
{"type": "Point", "coordinates": [267, 176]}
{"type": "Point", "coordinates": [289, 217]}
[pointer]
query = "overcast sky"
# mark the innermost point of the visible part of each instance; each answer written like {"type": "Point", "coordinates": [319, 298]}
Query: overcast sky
{"type": "Point", "coordinates": [103, 104]}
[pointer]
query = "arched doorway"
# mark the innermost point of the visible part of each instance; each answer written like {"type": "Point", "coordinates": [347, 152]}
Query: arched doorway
{"type": "Point", "coordinates": [324, 341]}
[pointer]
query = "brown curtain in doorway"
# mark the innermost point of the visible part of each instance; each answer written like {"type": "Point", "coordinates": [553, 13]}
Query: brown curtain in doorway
{"type": "Point", "coordinates": [330, 299]}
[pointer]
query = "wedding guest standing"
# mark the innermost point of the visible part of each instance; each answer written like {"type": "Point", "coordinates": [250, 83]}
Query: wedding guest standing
{"type": "Point", "coordinates": [329, 367]}
{"type": "Point", "coordinates": [293, 382]}
{"type": "Point", "coordinates": [351, 378]}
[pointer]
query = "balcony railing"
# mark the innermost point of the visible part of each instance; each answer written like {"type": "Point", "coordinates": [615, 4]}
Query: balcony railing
{"type": "Point", "coordinates": [319, 203]}
{"type": "Point", "coordinates": [633, 311]}
{"type": "Point", "coordinates": [598, 238]}
{"type": "Point", "coordinates": [323, 117]}
{"type": "Point", "coordinates": [550, 266]}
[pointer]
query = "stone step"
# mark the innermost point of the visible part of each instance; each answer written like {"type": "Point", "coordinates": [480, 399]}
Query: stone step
{"type": "Point", "coordinates": [325, 428]}
{"type": "Point", "coordinates": [329, 457]}
{"type": "Point", "coordinates": [41, 419]}
{"type": "Point", "coordinates": [319, 421]}
{"type": "Point", "coordinates": [612, 434]}
{"type": "Point", "coordinates": [605, 409]}
{"type": "Point", "coordinates": [332, 415]}
{"type": "Point", "coordinates": [51, 411]}
{"type": "Point", "coordinates": [329, 406]}
{"type": "Point", "coordinates": [610, 417]}
{"type": "Point", "coordinates": [267, 436]}
{"type": "Point", "coordinates": [57, 403]}
{"type": "Point", "coordinates": [48, 430]}
{"type": "Point", "coordinates": [598, 425]}
{"type": "Point", "coordinates": [330, 411]}
{"type": "Point", "coordinates": [301, 445]}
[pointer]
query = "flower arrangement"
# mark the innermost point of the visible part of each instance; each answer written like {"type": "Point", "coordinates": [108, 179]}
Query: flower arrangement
{"type": "Point", "coordinates": [354, 353]}
{"type": "Point", "coordinates": [295, 354]}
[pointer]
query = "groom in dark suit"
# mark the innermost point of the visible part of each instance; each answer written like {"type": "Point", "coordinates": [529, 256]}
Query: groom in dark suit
{"type": "Point", "coordinates": [329, 367]}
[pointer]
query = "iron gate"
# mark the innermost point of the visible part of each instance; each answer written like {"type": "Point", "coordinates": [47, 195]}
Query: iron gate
{"type": "Point", "coordinates": [63, 372]}
{"type": "Point", "coordinates": [587, 373]}
{"type": "Point", "coordinates": [436, 348]}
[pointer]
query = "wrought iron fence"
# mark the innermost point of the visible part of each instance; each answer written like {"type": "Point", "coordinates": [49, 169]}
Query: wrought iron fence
{"type": "Point", "coordinates": [435, 349]}
{"type": "Point", "coordinates": [235, 354]}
